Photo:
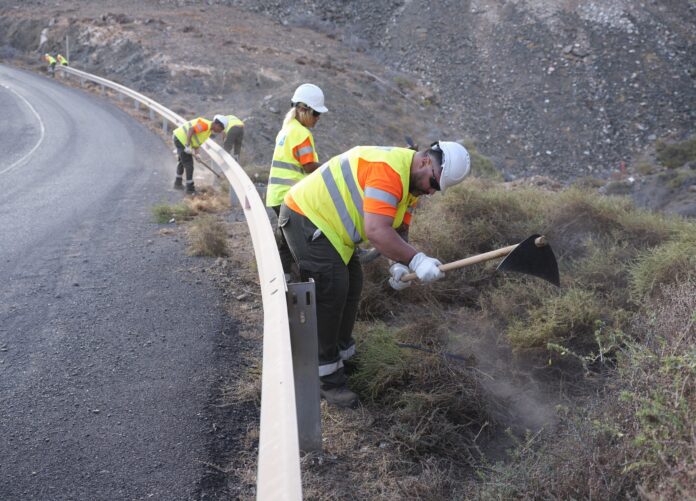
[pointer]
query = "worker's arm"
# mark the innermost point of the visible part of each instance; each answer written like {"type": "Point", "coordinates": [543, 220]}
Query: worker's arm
{"type": "Point", "coordinates": [378, 229]}
{"type": "Point", "coordinates": [311, 167]}
{"type": "Point", "coordinates": [189, 135]}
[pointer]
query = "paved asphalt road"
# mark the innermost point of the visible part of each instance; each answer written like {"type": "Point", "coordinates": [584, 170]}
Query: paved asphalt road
{"type": "Point", "coordinates": [109, 354]}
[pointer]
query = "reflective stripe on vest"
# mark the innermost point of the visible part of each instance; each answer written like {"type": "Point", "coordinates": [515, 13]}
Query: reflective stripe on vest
{"type": "Point", "coordinates": [198, 138]}
{"type": "Point", "coordinates": [286, 169]}
{"type": "Point", "coordinates": [338, 201]}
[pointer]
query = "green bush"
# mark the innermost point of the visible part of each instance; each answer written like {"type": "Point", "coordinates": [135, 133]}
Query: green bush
{"type": "Point", "coordinates": [677, 154]}
{"type": "Point", "coordinates": [164, 212]}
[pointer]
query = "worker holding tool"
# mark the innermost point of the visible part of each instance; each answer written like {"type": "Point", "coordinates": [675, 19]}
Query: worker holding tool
{"type": "Point", "coordinates": [187, 139]}
{"type": "Point", "coordinates": [295, 155]}
{"type": "Point", "coordinates": [364, 194]}
{"type": "Point", "coordinates": [233, 135]}
{"type": "Point", "coordinates": [62, 60]}
{"type": "Point", "coordinates": [51, 63]}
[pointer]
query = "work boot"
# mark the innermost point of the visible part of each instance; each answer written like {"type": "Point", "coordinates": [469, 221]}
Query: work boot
{"type": "Point", "coordinates": [340, 396]}
{"type": "Point", "coordinates": [190, 189]}
{"type": "Point", "coordinates": [178, 185]}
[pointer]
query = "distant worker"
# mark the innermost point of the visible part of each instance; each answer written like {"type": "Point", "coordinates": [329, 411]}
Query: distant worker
{"type": "Point", "coordinates": [295, 155]}
{"type": "Point", "coordinates": [187, 139]}
{"type": "Point", "coordinates": [51, 63]}
{"type": "Point", "coordinates": [62, 60]}
{"type": "Point", "coordinates": [367, 193]}
{"type": "Point", "coordinates": [233, 135]}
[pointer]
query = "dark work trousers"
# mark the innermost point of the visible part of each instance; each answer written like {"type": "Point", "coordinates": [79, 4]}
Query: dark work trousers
{"type": "Point", "coordinates": [234, 140]}
{"type": "Point", "coordinates": [338, 288]}
{"type": "Point", "coordinates": [283, 249]}
{"type": "Point", "coordinates": [185, 162]}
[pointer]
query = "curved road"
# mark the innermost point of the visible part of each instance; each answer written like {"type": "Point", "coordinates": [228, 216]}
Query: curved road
{"type": "Point", "coordinates": [109, 349]}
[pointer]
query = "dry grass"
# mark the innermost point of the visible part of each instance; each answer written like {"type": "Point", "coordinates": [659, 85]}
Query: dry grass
{"type": "Point", "coordinates": [207, 236]}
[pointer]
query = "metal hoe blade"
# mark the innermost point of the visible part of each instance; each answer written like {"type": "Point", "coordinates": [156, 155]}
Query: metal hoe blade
{"type": "Point", "coordinates": [531, 259]}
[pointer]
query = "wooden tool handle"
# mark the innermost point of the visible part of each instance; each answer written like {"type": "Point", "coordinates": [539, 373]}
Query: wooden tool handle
{"type": "Point", "coordinates": [479, 258]}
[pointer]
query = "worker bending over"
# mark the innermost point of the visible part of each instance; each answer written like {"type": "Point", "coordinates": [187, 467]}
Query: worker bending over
{"type": "Point", "coordinates": [62, 60]}
{"type": "Point", "coordinates": [51, 63]}
{"type": "Point", "coordinates": [233, 135]}
{"type": "Point", "coordinates": [187, 139]}
{"type": "Point", "coordinates": [295, 155]}
{"type": "Point", "coordinates": [367, 193]}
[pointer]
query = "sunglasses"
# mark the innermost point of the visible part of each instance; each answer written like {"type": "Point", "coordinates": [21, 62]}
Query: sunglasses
{"type": "Point", "coordinates": [433, 182]}
{"type": "Point", "coordinates": [314, 112]}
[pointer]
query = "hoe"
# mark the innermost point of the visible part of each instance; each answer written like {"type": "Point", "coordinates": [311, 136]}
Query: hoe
{"type": "Point", "coordinates": [533, 256]}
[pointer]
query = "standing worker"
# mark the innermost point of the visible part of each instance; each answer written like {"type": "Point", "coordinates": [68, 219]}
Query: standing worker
{"type": "Point", "coordinates": [187, 139]}
{"type": "Point", "coordinates": [62, 60]}
{"type": "Point", "coordinates": [366, 193]}
{"type": "Point", "coordinates": [51, 63]}
{"type": "Point", "coordinates": [233, 135]}
{"type": "Point", "coordinates": [295, 155]}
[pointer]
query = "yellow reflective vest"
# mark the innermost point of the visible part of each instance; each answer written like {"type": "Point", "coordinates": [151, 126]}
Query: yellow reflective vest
{"type": "Point", "coordinates": [50, 59]}
{"type": "Point", "coordinates": [62, 60]}
{"type": "Point", "coordinates": [293, 144]}
{"type": "Point", "coordinates": [332, 198]}
{"type": "Point", "coordinates": [199, 137]}
{"type": "Point", "coordinates": [232, 121]}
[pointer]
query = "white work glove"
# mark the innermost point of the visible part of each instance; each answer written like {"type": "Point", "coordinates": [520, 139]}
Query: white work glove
{"type": "Point", "coordinates": [426, 267]}
{"type": "Point", "coordinates": [188, 150]}
{"type": "Point", "coordinates": [397, 271]}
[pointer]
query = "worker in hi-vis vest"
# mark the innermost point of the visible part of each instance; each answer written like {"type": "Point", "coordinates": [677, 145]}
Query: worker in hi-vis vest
{"type": "Point", "coordinates": [51, 63]}
{"type": "Point", "coordinates": [187, 139]}
{"type": "Point", "coordinates": [295, 155]}
{"type": "Point", "coordinates": [367, 193]}
{"type": "Point", "coordinates": [233, 136]}
{"type": "Point", "coordinates": [62, 60]}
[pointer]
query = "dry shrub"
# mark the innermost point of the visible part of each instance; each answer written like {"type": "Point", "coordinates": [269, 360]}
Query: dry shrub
{"type": "Point", "coordinates": [666, 264]}
{"type": "Point", "coordinates": [207, 236]}
{"type": "Point", "coordinates": [432, 405]}
{"type": "Point", "coordinates": [677, 154]}
{"type": "Point", "coordinates": [574, 311]}
{"type": "Point", "coordinates": [635, 440]}
{"type": "Point", "coordinates": [208, 201]}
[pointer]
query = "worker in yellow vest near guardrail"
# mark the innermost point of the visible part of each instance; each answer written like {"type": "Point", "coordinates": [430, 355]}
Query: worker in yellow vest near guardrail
{"type": "Point", "coordinates": [233, 136]}
{"type": "Point", "coordinates": [295, 155]}
{"type": "Point", "coordinates": [51, 63]}
{"type": "Point", "coordinates": [367, 193]}
{"type": "Point", "coordinates": [62, 60]}
{"type": "Point", "coordinates": [187, 139]}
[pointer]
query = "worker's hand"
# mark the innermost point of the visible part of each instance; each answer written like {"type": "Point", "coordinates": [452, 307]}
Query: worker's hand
{"type": "Point", "coordinates": [188, 150]}
{"type": "Point", "coordinates": [427, 268]}
{"type": "Point", "coordinates": [367, 255]}
{"type": "Point", "coordinates": [397, 271]}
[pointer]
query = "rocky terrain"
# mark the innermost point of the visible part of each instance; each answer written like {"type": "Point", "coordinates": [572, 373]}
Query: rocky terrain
{"type": "Point", "coordinates": [567, 89]}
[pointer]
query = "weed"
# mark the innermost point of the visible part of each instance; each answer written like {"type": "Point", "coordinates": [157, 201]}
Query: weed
{"type": "Point", "coordinates": [164, 212]}
{"type": "Point", "coordinates": [672, 262]}
{"type": "Point", "coordinates": [207, 237]}
{"type": "Point", "coordinates": [677, 154]}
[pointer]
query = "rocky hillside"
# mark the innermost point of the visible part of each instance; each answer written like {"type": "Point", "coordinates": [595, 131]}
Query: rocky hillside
{"type": "Point", "coordinates": [567, 89]}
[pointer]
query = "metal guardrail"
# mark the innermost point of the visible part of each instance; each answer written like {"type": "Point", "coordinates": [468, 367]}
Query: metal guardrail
{"type": "Point", "coordinates": [278, 473]}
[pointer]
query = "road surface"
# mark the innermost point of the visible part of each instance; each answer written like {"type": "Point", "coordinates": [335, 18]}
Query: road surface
{"type": "Point", "coordinates": [110, 354]}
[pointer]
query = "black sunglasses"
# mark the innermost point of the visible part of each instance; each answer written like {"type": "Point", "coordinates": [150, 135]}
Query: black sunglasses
{"type": "Point", "coordinates": [433, 181]}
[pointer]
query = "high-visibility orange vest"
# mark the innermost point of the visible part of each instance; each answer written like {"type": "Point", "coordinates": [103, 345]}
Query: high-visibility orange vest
{"type": "Point", "coordinates": [202, 129]}
{"type": "Point", "coordinates": [286, 169]}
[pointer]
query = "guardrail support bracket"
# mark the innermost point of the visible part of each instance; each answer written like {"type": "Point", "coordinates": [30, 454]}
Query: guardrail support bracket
{"type": "Point", "coordinates": [302, 314]}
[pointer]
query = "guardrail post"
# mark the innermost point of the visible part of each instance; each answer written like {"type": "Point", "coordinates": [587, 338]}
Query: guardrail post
{"type": "Point", "coordinates": [152, 114]}
{"type": "Point", "coordinates": [164, 124]}
{"type": "Point", "coordinates": [302, 315]}
{"type": "Point", "coordinates": [136, 103]}
{"type": "Point", "coordinates": [82, 82]}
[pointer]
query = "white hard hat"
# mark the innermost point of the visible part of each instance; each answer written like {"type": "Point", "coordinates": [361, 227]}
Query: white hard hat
{"type": "Point", "coordinates": [456, 163]}
{"type": "Point", "coordinates": [222, 119]}
{"type": "Point", "coordinates": [311, 95]}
